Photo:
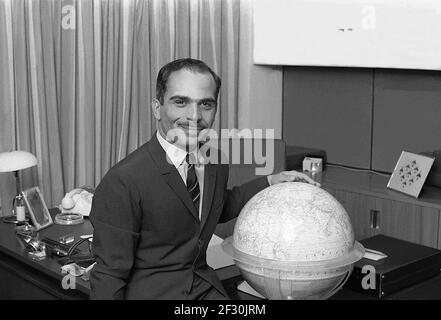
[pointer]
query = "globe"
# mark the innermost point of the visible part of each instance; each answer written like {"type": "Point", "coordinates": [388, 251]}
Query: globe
{"type": "Point", "coordinates": [294, 240]}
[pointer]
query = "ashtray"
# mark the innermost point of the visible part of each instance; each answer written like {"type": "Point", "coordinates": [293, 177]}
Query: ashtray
{"type": "Point", "coordinates": [69, 218]}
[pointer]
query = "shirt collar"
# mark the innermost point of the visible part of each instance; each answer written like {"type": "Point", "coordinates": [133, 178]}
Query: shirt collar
{"type": "Point", "coordinates": [175, 154]}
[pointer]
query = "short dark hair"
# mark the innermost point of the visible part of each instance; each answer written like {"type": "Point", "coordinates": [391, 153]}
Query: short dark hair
{"type": "Point", "coordinates": [176, 65]}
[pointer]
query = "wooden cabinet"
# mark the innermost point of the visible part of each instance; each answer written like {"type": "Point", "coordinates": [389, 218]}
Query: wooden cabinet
{"type": "Point", "coordinates": [373, 209]}
{"type": "Point", "coordinates": [357, 206]}
{"type": "Point", "coordinates": [411, 222]}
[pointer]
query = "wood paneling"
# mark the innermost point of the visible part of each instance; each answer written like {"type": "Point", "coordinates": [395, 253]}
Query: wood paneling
{"type": "Point", "coordinates": [409, 222]}
{"type": "Point", "coordinates": [357, 206]}
{"type": "Point", "coordinates": [398, 216]}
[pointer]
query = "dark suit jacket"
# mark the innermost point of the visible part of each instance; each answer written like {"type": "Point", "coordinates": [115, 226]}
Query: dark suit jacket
{"type": "Point", "coordinates": [148, 240]}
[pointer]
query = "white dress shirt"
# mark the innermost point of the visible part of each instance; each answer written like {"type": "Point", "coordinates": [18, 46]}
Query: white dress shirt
{"type": "Point", "coordinates": [177, 157]}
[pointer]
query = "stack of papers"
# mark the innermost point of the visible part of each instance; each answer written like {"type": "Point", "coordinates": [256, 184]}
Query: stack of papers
{"type": "Point", "coordinates": [374, 254]}
{"type": "Point", "coordinates": [216, 257]}
{"type": "Point", "coordinates": [245, 287]}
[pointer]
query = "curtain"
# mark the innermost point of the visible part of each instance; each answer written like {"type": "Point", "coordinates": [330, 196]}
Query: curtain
{"type": "Point", "coordinates": [77, 78]}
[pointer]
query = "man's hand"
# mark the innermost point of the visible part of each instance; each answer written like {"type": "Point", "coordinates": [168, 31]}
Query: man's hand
{"type": "Point", "coordinates": [291, 176]}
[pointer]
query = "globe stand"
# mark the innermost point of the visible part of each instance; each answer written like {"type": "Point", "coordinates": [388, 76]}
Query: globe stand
{"type": "Point", "coordinates": [341, 268]}
{"type": "Point", "coordinates": [340, 285]}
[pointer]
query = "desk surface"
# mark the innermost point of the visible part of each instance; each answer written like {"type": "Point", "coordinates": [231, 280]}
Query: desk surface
{"type": "Point", "coordinates": [373, 184]}
{"type": "Point", "coordinates": [14, 256]}
{"type": "Point", "coordinates": [11, 247]}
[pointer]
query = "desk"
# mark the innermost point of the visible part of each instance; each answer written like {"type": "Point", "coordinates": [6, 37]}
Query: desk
{"type": "Point", "coordinates": [24, 278]}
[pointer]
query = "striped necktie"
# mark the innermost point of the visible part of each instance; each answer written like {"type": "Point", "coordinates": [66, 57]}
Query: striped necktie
{"type": "Point", "coordinates": [192, 181]}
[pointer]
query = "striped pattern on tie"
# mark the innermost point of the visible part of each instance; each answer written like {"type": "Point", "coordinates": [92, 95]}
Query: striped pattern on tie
{"type": "Point", "coordinates": [192, 181]}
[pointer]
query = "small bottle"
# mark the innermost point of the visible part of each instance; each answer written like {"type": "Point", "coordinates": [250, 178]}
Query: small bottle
{"type": "Point", "coordinates": [20, 209]}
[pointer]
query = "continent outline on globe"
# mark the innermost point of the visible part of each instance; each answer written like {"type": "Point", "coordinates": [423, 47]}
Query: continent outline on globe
{"type": "Point", "coordinates": [303, 204]}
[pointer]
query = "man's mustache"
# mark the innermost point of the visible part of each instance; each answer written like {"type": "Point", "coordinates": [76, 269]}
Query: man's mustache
{"type": "Point", "coordinates": [188, 125]}
{"type": "Point", "coordinates": [174, 133]}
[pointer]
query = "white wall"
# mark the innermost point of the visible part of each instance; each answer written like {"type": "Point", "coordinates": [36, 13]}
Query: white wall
{"type": "Point", "coordinates": [350, 33]}
{"type": "Point", "coordinates": [260, 97]}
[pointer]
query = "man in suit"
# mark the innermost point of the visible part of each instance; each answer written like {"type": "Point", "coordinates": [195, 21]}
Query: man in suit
{"type": "Point", "coordinates": [155, 211]}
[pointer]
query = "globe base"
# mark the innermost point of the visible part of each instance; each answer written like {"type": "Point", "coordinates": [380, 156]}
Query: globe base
{"type": "Point", "coordinates": [293, 289]}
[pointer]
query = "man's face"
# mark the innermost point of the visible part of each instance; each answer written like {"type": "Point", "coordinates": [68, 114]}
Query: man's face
{"type": "Point", "coordinates": [189, 107]}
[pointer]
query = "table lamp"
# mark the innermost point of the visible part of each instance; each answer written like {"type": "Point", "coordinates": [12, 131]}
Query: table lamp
{"type": "Point", "coordinates": [14, 161]}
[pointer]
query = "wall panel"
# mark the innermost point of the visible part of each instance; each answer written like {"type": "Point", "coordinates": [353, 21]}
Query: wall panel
{"type": "Point", "coordinates": [330, 109]}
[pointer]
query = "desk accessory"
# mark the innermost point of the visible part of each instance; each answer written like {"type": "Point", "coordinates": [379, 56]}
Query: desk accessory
{"type": "Point", "coordinates": [36, 249]}
{"type": "Point", "coordinates": [57, 248]}
{"type": "Point", "coordinates": [76, 262]}
{"type": "Point", "coordinates": [67, 238]}
{"type": "Point", "coordinates": [245, 287]}
{"type": "Point", "coordinates": [296, 154]}
{"type": "Point", "coordinates": [216, 258]}
{"type": "Point", "coordinates": [374, 255]}
{"type": "Point", "coordinates": [313, 165]}
{"type": "Point", "coordinates": [15, 161]}
{"type": "Point", "coordinates": [38, 210]}
{"type": "Point", "coordinates": [25, 229]}
{"type": "Point", "coordinates": [406, 264]}
{"type": "Point", "coordinates": [69, 218]}
{"type": "Point", "coordinates": [409, 173]}
{"type": "Point", "coordinates": [37, 255]}
{"type": "Point", "coordinates": [78, 201]}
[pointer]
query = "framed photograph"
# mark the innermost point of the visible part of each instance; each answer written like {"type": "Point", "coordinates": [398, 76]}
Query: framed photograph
{"type": "Point", "coordinates": [38, 211]}
{"type": "Point", "coordinates": [410, 173]}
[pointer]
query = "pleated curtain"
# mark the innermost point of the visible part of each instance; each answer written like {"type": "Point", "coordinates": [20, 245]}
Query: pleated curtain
{"type": "Point", "coordinates": [77, 78]}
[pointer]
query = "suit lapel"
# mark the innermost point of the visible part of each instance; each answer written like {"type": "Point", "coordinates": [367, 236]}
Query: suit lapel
{"type": "Point", "coordinates": [209, 186]}
{"type": "Point", "coordinates": [171, 175]}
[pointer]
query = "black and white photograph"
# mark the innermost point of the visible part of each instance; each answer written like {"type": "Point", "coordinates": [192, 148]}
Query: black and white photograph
{"type": "Point", "coordinates": [239, 152]}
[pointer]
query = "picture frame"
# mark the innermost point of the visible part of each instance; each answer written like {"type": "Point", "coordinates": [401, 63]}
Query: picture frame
{"type": "Point", "coordinates": [37, 208]}
{"type": "Point", "coordinates": [410, 173]}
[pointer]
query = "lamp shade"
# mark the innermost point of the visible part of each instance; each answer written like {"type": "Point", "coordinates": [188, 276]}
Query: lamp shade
{"type": "Point", "coordinates": [16, 160]}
